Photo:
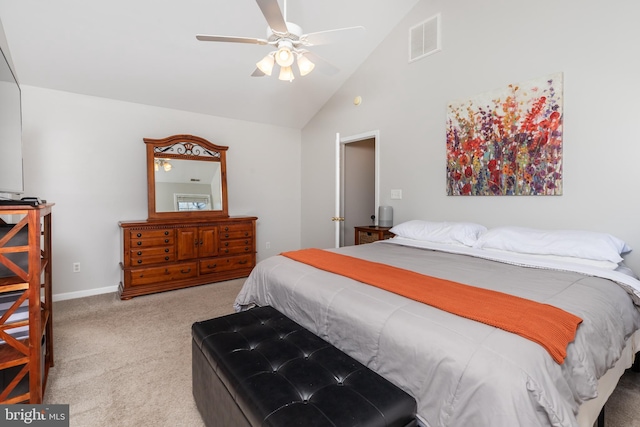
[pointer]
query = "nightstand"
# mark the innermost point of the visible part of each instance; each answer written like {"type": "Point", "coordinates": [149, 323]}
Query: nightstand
{"type": "Point", "coordinates": [371, 233]}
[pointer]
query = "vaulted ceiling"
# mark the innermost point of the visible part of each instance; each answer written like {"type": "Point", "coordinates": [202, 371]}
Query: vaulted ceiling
{"type": "Point", "coordinates": [145, 51]}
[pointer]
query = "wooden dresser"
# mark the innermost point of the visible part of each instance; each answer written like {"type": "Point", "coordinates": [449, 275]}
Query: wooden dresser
{"type": "Point", "coordinates": [162, 255]}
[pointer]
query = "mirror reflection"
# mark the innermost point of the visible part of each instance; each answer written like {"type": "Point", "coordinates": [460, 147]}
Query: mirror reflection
{"type": "Point", "coordinates": [187, 185]}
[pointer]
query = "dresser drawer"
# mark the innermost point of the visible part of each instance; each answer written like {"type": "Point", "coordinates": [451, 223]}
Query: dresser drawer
{"type": "Point", "coordinates": [216, 265]}
{"type": "Point", "coordinates": [150, 234]}
{"type": "Point", "coordinates": [152, 242]}
{"type": "Point", "coordinates": [236, 231]}
{"type": "Point", "coordinates": [367, 237]}
{"type": "Point", "coordinates": [152, 255]}
{"type": "Point", "coordinates": [145, 276]}
{"type": "Point", "coordinates": [370, 234]}
{"type": "Point", "coordinates": [240, 246]}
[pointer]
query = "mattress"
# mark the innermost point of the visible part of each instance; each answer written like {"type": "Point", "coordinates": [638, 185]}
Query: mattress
{"type": "Point", "coordinates": [461, 372]}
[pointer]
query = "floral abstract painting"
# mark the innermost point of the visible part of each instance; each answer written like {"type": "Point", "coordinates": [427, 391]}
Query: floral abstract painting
{"type": "Point", "coordinates": [507, 142]}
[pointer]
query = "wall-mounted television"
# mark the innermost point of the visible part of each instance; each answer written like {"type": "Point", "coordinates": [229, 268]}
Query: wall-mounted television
{"type": "Point", "coordinates": [11, 175]}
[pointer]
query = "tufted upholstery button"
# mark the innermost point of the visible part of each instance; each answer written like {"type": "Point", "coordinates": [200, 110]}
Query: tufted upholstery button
{"type": "Point", "coordinates": [289, 376]}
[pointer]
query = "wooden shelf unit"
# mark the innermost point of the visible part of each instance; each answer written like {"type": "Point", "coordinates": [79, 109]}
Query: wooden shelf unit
{"type": "Point", "coordinates": [25, 362]}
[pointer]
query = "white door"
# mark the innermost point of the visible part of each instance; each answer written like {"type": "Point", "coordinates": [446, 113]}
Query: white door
{"type": "Point", "coordinates": [357, 184]}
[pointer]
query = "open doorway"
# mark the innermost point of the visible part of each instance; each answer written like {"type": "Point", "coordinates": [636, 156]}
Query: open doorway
{"type": "Point", "coordinates": [358, 187]}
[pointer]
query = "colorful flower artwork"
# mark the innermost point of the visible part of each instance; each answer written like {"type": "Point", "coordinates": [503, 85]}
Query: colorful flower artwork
{"type": "Point", "coordinates": [507, 142]}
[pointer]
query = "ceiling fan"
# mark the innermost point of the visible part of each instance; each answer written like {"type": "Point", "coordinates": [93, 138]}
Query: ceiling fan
{"type": "Point", "coordinates": [290, 44]}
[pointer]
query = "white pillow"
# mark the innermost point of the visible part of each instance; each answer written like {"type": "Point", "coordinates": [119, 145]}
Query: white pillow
{"type": "Point", "coordinates": [465, 233]}
{"type": "Point", "coordinates": [557, 259]}
{"type": "Point", "coordinates": [568, 243]}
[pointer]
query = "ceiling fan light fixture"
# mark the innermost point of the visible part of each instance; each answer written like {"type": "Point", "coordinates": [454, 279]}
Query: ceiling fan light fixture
{"type": "Point", "coordinates": [305, 65]}
{"type": "Point", "coordinates": [266, 64]}
{"type": "Point", "coordinates": [286, 74]}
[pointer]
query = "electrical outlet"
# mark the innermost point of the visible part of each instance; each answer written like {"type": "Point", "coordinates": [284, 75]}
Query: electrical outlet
{"type": "Point", "coordinates": [268, 245]}
{"type": "Point", "coordinates": [76, 267]}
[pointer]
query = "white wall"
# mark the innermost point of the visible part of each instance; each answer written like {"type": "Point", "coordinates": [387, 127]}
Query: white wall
{"type": "Point", "coordinates": [5, 49]}
{"type": "Point", "coordinates": [487, 45]}
{"type": "Point", "coordinates": [86, 155]}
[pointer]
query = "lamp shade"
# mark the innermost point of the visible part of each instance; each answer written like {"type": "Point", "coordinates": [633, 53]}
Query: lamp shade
{"type": "Point", "coordinates": [385, 216]}
{"type": "Point", "coordinates": [284, 56]}
{"type": "Point", "coordinates": [266, 64]}
{"type": "Point", "coordinates": [305, 65]}
{"type": "Point", "coordinates": [286, 73]}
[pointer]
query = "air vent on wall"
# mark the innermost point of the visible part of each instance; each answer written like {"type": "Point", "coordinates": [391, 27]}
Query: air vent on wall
{"type": "Point", "coordinates": [424, 38]}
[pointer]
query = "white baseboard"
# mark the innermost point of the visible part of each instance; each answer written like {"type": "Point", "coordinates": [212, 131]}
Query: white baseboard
{"type": "Point", "coordinates": [87, 293]}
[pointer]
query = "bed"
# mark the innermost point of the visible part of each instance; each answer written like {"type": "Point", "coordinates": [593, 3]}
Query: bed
{"type": "Point", "coordinates": [462, 372]}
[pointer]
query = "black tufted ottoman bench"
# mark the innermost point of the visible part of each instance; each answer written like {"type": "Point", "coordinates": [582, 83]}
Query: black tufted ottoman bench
{"type": "Point", "coordinates": [260, 368]}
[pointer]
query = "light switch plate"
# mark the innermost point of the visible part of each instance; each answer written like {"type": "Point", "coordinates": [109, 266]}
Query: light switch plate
{"type": "Point", "coordinates": [396, 194]}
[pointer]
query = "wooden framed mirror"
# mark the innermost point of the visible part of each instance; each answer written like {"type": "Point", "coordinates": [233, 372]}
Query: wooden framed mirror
{"type": "Point", "coordinates": [186, 178]}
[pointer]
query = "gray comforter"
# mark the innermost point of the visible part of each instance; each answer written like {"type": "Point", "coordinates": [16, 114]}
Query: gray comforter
{"type": "Point", "coordinates": [462, 373]}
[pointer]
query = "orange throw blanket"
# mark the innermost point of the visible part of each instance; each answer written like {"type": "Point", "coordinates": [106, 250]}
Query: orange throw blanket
{"type": "Point", "coordinates": [544, 324]}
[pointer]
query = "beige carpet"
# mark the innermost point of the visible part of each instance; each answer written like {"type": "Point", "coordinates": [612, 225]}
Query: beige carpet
{"type": "Point", "coordinates": [128, 363]}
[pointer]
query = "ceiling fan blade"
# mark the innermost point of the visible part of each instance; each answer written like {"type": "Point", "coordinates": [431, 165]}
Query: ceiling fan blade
{"type": "Point", "coordinates": [232, 39]}
{"type": "Point", "coordinates": [331, 36]}
{"type": "Point", "coordinates": [272, 13]}
{"type": "Point", "coordinates": [257, 73]}
{"type": "Point", "coordinates": [322, 64]}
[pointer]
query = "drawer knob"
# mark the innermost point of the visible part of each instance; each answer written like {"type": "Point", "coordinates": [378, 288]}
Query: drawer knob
{"type": "Point", "coordinates": [139, 243]}
{"type": "Point", "coordinates": [212, 266]}
{"type": "Point", "coordinates": [246, 249]}
{"type": "Point", "coordinates": [166, 233]}
{"type": "Point", "coordinates": [246, 233]}
{"type": "Point", "coordinates": [139, 252]}
{"type": "Point", "coordinates": [166, 240]}
{"type": "Point", "coordinates": [139, 261]}
{"type": "Point", "coordinates": [243, 262]}
{"type": "Point", "coordinates": [226, 229]}
{"type": "Point", "coordinates": [226, 235]}
{"type": "Point", "coordinates": [185, 272]}
{"type": "Point", "coordinates": [166, 258]}
{"type": "Point", "coordinates": [166, 250]}
{"type": "Point", "coordinates": [139, 235]}
{"type": "Point", "coordinates": [226, 243]}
